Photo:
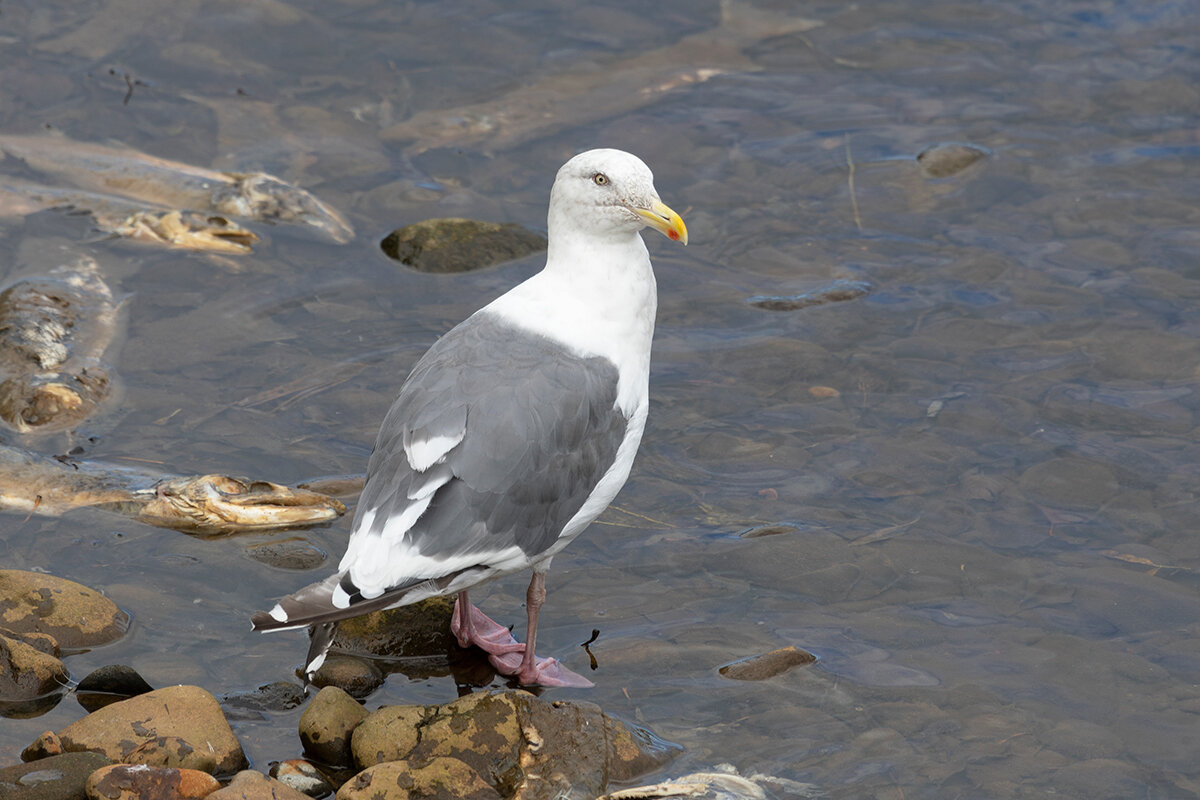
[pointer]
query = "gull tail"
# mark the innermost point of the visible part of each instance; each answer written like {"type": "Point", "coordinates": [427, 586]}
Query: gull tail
{"type": "Point", "coordinates": [322, 604]}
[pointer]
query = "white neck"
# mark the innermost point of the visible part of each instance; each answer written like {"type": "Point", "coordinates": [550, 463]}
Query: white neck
{"type": "Point", "coordinates": [597, 295]}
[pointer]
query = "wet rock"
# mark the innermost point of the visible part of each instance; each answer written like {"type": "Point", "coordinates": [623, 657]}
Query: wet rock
{"type": "Point", "coordinates": [837, 291]}
{"type": "Point", "coordinates": [518, 743]}
{"type": "Point", "coordinates": [251, 785]}
{"type": "Point", "coordinates": [276, 696]}
{"type": "Point", "coordinates": [421, 629]}
{"type": "Point", "coordinates": [110, 684]}
{"type": "Point", "coordinates": [459, 245]}
{"type": "Point", "coordinates": [766, 665]}
{"type": "Point", "coordinates": [60, 777]}
{"type": "Point", "coordinates": [440, 778]}
{"type": "Point", "coordinates": [301, 776]}
{"type": "Point", "coordinates": [179, 726]}
{"type": "Point", "coordinates": [944, 160]}
{"type": "Point", "coordinates": [140, 782]}
{"type": "Point", "coordinates": [354, 675]}
{"type": "Point", "coordinates": [45, 746]}
{"type": "Point", "coordinates": [294, 553]}
{"type": "Point", "coordinates": [42, 642]}
{"type": "Point", "coordinates": [1069, 482]}
{"type": "Point", "coordinates": [415, 640]}
{"type": "Point", "coordinates": [76, 616]}
{"type": "Point", "coordinates": [327, 723]}
{"type": "Point", "coordinates": [27, 673]}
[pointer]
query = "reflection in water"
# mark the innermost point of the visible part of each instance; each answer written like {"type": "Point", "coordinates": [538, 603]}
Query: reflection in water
{"type": "Point", "coordinates": [1027, 623]}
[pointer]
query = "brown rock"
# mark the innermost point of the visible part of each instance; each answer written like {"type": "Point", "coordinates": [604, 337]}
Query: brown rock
{"type": "Point", "coordinates": [251, 785]}
{"type": "Point", "coordinates": [42, 642]}
{"type": "Point", "coordinates": [356, 676]}
{"type": "Point", "coordinates": [421, 629]}
{"type": "Point", "coordinates": [179, 726]}
{"type": "Point", "coordinates": [44, 746]}
{"type": "Point", "coordinates": [459, 245]}
{"type": "Point", "coordinates": [327, 723]}
{"type": "Point", "coordinates": [26, 673]}
{"type": "Point", "coordinates": [944, 160]}
{"type": "Point", "coordinates": [76, 616]}
{"type": "Point", "coordinates": [437, 779]}
{"type": "Point", "coordinates": [140, 782]}
{"type": "Point", "coordinates": [60, 777]}
{"type": "Point", "coordinates": [519, 744]}
{"type": "Point", "coordinates": [766, 665]}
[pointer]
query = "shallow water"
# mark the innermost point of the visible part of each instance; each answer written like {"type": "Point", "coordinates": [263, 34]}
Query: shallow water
{"type": "Point", "coordinates": [981, 474]}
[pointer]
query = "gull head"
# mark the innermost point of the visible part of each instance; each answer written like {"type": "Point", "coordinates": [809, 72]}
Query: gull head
{"type": "Point", "coordinates": [610, 193]}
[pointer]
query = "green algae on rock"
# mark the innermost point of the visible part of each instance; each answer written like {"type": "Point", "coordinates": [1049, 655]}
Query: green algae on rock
{"type": "Point", "coordinates": [459, 245]}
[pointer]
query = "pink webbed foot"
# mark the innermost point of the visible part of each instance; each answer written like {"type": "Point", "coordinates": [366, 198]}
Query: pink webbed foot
{"type": "Point", "coordinates": [543, 672]}
{"type": "Point", "coordinates": [474, 628]}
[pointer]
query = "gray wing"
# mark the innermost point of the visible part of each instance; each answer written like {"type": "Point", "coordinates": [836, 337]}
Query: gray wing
{"type": "Point", "coordinates": [533, 426]}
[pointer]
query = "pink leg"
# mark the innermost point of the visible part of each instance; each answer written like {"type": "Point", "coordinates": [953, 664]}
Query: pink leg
{"type": "Point", "coordinates": [474, 628]}
{"type": "Point", "coordinates": [530, 670]}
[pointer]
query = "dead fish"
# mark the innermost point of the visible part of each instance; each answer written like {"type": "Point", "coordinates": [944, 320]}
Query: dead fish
{"type": "Point", "coordinates": [129, 219]}
{"type": "Point", "coordinates": [573, 97]}
{"type": "Point", "coordinates": [208, 504]}
{"type": "Point", "coordinates": [171, 184]}
{"type": "Point", "coordinates": [54, 329]}
{"type": "Point", "coordinates": [221, 504]}
{"type": "Point", "coordinates": [723, 783]}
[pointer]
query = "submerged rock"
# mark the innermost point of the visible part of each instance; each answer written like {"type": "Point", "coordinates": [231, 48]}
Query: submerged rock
{"type": "Point", "coordinates": [949, 158]}
{"type": "Point", "coordinates": [76, 616]}
{"type": "Point", "coordinates": [766, 665]}
{"type": "Point", "coordinates": [276, 696]}
{"type": "Point", "coordinates": [179, 726]}
{"type": "Point", "coordinates": [60, 777]}
{"type": "Point", "coordinates": [459, 245]}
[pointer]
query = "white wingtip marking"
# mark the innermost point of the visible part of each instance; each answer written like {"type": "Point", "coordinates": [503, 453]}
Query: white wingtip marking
{"type": "Point", "coordinates": [340, 598]}
{"type": "Point", "coordinates": [278, 614]}
{"type": "Point", "coordinates": [314, 665]}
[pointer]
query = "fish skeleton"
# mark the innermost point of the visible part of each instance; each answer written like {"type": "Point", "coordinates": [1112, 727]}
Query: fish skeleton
{"type": "Point", "coordinates": [208, 504]}
{"type": "Point", "coordinates": [54, 330]}
{"type": "Point", "coordinates": [174, 185]}
{"type": "Point", "coordinates": [129, 219]}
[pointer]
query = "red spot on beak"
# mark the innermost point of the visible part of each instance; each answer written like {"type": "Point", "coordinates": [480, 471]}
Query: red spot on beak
{"type": "Point", "coordinates": [673, 236]}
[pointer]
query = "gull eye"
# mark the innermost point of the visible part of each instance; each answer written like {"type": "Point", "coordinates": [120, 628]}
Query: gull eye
{"type": "Point", "coordinates": [600, 179]}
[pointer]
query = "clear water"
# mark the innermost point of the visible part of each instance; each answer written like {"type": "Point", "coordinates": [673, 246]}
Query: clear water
{"type": "Point", "coordinates": [988, 529]}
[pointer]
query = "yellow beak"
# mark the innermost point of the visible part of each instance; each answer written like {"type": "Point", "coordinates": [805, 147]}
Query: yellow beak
{"type": "Point", "coordinates": [660, 217]}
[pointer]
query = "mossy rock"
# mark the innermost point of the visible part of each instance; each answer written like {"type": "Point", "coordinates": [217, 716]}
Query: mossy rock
{"type": "Point", "coordinates": [451, 245]}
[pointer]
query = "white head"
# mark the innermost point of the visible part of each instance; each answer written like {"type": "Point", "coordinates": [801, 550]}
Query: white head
{"type": "Point", "coordinates": [609, 193]}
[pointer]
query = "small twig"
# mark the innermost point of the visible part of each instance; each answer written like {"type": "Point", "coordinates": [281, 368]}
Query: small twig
{"type": "Point", "coordinates": [850, 180]}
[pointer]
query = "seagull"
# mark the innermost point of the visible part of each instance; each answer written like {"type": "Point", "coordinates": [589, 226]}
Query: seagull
{"type": "Point", "coordinates": [514, 430]}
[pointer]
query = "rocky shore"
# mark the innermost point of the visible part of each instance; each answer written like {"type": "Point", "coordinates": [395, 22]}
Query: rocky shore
{"type": "Point", "coordinates": [177, 741]}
